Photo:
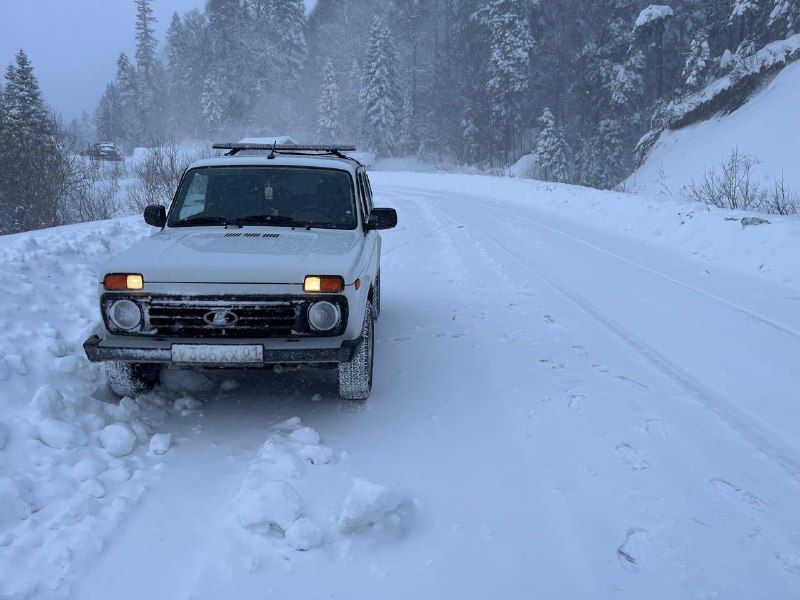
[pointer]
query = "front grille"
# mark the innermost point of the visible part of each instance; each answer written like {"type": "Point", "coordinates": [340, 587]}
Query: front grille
{"type": "Point", "coordinates": [180, 317]}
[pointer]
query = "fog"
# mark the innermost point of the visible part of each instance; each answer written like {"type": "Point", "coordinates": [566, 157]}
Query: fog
{"type": "Point", "coordinates": [74, 44]}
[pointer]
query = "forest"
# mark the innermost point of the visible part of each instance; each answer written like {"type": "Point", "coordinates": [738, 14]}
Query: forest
{"type": "Point", "coordinates": [452, 82]}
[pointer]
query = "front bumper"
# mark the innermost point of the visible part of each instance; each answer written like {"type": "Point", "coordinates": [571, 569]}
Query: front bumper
{"type": "Point", "coordinates": [147, 350]}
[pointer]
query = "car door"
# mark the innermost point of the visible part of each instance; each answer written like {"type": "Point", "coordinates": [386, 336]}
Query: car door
{"type": "Point", "coordinates": [373, 241]}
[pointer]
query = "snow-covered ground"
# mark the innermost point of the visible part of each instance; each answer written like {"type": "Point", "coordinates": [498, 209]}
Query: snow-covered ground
{"type": "Point", "coordinates": [767, 128]}
{"type": "Point", "coordinates": [578, 395]}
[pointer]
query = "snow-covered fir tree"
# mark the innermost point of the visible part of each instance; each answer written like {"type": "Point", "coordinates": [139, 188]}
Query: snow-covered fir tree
{"type": "Point", "coordinates": [328, 123]}
{"type": "Point", "coordinates": [508, 65]}
{"type": "Point", "coordinates": [601, 159]}
{"type": "Point", "coordinates": [552, 150]}
{"type": "Point", "coordinates": [146, 44]}
{"type": "Point", "coordinates": [213, 101]}
{"type": "Point", "coordinates": [289, 22]}
{"type": "Point", "coordinates": [31, 153]}
{"type": "Point", "coordinates": [698, 62]}
{"type": "Point", "coordinates": [379, 95]}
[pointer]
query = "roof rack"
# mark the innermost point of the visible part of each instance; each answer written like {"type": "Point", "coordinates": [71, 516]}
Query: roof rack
{"type": "Point", "coordinates": [334, 149]}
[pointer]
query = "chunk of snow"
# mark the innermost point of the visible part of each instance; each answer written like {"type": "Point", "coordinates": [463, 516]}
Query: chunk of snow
{"type": "Point", "coordinates": [303, 534]}
{"type": "Point", "coordinates": [305, 435]}
{"type": "Point", "coordinates": [653, 14]}
{"type": "Point", "coordinates": [188, 403]}
{"type": "Point", "coordinates": [48, 401]}
{"type": "Point", "coordinates": [118, 438]}
{"type": "Point", "coordinates": [61, 435]}
{"type": "Point", "coordinates": [3, 435]}
{"type": "Point", "coordinates": [367, 504]}
{"type": "Point", "coordinates": [88, 468]}
{"type": "Point", "coordinates": [160, 443]}
{"type": "Point", "coordinates": [271, 503]}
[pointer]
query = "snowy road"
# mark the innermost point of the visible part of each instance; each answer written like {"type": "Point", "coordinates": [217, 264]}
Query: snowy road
{"type": "Point", "coordinates": [558, 413]}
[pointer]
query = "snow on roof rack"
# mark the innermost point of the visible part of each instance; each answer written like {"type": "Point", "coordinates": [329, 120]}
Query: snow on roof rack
{"type": "Point", "coordinates": [235, 148]}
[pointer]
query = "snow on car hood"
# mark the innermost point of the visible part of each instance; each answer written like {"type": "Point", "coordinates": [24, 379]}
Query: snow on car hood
{"type": "Point", "coordinates": [248, 255]}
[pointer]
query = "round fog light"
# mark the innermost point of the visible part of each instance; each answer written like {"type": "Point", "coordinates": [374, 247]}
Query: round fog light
{"type": "Point", "coordinates": [125, 314]}
{"type": "Point", "coordinates": [323, 316]}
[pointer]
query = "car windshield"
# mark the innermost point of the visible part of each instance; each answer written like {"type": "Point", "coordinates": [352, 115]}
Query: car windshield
{"type": "Point", "coordinates": [276, 196]}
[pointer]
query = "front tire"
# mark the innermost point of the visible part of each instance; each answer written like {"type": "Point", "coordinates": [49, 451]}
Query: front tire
{"type": "Point", "coordinates": [355, 376]}
{"type": "Point", "coordinates": [131, 379]}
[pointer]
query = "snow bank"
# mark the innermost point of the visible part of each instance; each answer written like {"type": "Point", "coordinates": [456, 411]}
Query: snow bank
{"type": "Point", "coordinates": [70, 463]}
{"type": "Point", "coordinates": [767, 127]}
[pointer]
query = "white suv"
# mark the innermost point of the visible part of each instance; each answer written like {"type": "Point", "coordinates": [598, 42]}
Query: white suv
{"type": "Point", "coordinates": [269, 255]}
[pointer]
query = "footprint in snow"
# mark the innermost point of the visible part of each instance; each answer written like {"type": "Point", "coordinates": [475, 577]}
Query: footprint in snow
{"type": "Point", "coordinates": [657, 430]}
{"type": "Point", "coordinates": [734, 492]}
{"type": "Point", "coordinates": [552, 364]}
{"type": "Point", "coordinates": [630, 457]}
{"type": "Point", "coordinates": [577, 404]}
{"type": "Point", "coordinates": [630, 552]}
{"type": "Point", "coordinates": [551, 320]}
{"type": "Point", "coordinates": [580, 351]}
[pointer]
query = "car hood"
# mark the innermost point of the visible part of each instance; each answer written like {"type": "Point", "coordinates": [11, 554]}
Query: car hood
{"type": "Point", "coordinates": [247, 255]}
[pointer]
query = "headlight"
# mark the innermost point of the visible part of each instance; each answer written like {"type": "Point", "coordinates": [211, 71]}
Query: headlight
{"type": "Point", "coordinates": [125, 314]}
{"type": "Point", "coordinates": [323, 316]}
{"type": "Point", "coordinates": [328, 284]}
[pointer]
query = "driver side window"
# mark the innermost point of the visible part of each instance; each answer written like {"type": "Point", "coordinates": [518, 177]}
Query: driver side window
{"type": "Point", "coordinates": [195, 202]}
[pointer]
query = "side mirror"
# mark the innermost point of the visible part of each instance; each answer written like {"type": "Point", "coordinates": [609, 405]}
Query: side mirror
{"type": "Point", "coordinates": [155, 215]}
{"type": "Point", "coordinates": [382, 218]}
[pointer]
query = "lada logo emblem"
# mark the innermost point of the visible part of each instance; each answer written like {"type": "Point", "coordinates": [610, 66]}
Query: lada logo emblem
{"type": "Point", "coordinates": [221, 318]}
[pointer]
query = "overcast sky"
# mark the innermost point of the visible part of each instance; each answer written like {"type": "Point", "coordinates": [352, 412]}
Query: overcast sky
{"type": "Point", "coordinates": [74, 44]}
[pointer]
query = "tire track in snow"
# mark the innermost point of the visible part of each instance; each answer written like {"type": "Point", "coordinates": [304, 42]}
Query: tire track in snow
{"type": "Point", "coordinates": [782, 328]}
{"type": "Point", "coordinates": [737, 420]}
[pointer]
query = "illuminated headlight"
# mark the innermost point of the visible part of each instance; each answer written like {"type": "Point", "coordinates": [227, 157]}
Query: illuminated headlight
{"type": "Point", "coordinates": [323, 316]}
{"type": "Point", "coordinates": [125, 314]}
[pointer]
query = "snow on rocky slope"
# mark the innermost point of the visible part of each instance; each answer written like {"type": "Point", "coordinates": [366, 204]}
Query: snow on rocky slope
{"type": "Point", "coordinates": [766, 127]}
{"type": "Point", "coordinates": [578, 395]}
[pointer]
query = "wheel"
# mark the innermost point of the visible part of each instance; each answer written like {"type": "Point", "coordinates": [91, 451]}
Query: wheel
{"type": "Point", "coordinates": [376, 296]}
{"type": "Point", "coordinates": [355, 377]}
{"type": "Point", "coordinates": [131, 379]}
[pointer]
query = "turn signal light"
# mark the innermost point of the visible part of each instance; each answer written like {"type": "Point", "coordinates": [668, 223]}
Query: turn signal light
{"type": "Point", "coordinates": [123, 281]}
{"type": "Point", "coordinates": [326, 284]}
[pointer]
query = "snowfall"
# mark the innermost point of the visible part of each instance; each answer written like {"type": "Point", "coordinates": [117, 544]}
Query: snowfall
{"type": "Point", "coordinates": [578, 394]}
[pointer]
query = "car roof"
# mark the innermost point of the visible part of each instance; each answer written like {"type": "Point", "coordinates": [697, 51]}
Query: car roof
{"type": "Point", "coordinates": [281, 160]}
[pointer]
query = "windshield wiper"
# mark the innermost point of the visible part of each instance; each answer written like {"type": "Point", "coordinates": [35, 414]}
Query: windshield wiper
{"type": "Point", "coordinates": [198, 221]}
{"type": "Point", "coordinates": [279, 220]}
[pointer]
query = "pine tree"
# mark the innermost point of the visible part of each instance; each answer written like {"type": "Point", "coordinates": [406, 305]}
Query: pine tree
{"type": "Point", "coordinates": [30, 154]}
{"type": "Point", "coordinates": [697, 63]}
{"type": "Point", "coordinates": [329, 109]}
{"type": "Point", "coordinates": [602, 161]}
{"type": "Point", "coordinates": [289, 19]}
{"type": "Point", "coordinates": [552, 150]}
{"type": "Point", "coordinates": [146, 43]}
{"type": "Point", "coordinates": [128, 119]}
{"type": "Point", "coordinates": [378, 96]}
{"type": "Point", "coordinates": [510, 42]}
{"type": "Point", "coordinates": [213, 104]}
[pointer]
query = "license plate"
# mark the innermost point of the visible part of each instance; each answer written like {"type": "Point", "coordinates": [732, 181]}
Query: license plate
{"type": "Point", "coordinates": [216, 354]}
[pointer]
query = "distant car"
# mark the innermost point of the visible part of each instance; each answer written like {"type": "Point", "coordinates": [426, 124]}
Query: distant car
{"type": "Point", "coordinates": [104, 151]}
{"type": "Point", "coordinates": [269, 255]}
